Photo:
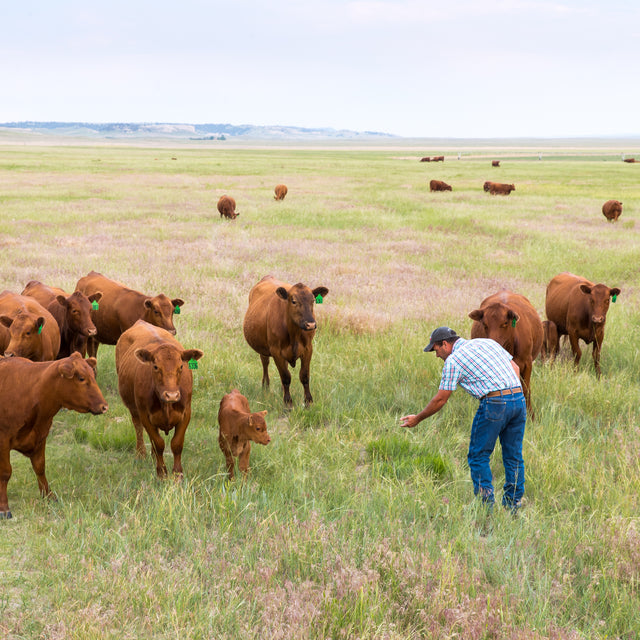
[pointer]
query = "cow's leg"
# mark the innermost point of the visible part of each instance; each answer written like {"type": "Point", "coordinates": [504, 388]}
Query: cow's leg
{"type": "Point", "coordinates": [157, 446]}
{"type": "Point", "coordinates": [38, 464]}
{"type": "Point", "coordinates": [92, 347]}
{"type": "Point", "coordinates": [141, 450]}
{"type": "Point", "coordinates": [177, 443]}
{"type": "Point", "coordinates": [305, 367]}
{"type": "Point", "coordinates": [5, 475]}
{"type": "Point", "coordinates": [597, 343]}
{"type": "Point", "coordinates": [575, 347]}
{"type": "Point", "coordinates": [285, 377]}
{"type": "Point", "coordinates": [525, 379]}
{"type": "Point", "coordinates": [243, 460]}
{"type": "Point", "coordinates": [265, 371]}
{"type": "Point", "coordinates": [228, 456]}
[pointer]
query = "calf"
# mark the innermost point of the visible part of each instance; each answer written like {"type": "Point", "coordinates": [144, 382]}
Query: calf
{"type": "Point", "coordinates": [71, 312]}
{"type": "Point", "coordinates": [579, 308]}
{"type": "Point", "coordinates": [227, 207]}
{"type": "Point", "coordinates": [156, 387]}
{"type": "Point", "coordinates": [280, 191]}
{"type": "Point", "coordinates": [27, 329]}
{"type": "Point", "coordinates": [238, 428]}
{"type": "Point", "coordinates": [31, 394]}
{"type": "Point", "coordinates": [439, 185]}
{"type": "Point", "coordinates": [120, 308]}
{"type": "Point", "coordinates": [497, 188]}
{"type": "Point", "coordinates": [280, 324]}
{"type": "Point", "coordinates": [512, 321]}
{"type": "Point", "coordinates": [612, 210]}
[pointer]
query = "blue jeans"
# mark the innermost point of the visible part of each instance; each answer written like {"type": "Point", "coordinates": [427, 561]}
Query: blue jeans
{"type": "Point", "coordinates": [501, 417]}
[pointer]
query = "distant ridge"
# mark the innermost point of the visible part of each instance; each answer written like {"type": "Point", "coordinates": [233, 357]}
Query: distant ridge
{"type": "Point", "coordinates": [189, 131]}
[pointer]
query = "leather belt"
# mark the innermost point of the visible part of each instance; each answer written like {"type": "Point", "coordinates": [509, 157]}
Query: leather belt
{"type": "Point", "coordinates": [503, 392]}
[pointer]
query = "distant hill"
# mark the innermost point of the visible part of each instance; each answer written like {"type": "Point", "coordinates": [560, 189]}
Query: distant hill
{"type": "Point", "coordinates": [188, 131]}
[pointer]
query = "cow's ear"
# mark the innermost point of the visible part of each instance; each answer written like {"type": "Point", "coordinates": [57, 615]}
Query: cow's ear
{"type": "Point", "coordinates": [585, 288]}
{"type": "Point", "coordinates": [95, 297]}
{"type": "Point", "coordinates": [62, 301]}
{"type": "Point", "coordinates": [93, 363]}
{"type": "Point", "coordinates": [263, 413]}
{"type": "Point", "coordinates": [477, 315]}
{"type": "Point", "coordinates": [144, 355]}
{"type": "Point", "coordinates": [40, 323]}
{"type": "Point", "coordinates": [320, 291]}
{"type": "Point", "coordinates": [148, 304]}
{"type": "Point", "coordinates": [513, 317]}
{"type": "Point", "coordinates": [614, 292]}
{"type": "Point", "coordinates": [191, 354]}
{"type": "Point", "coordinates": [281, 292]}
{"type": "Point", "coordinates": [66, 369]}
{"type": "Point", "coordinates": [177, 302]}
{"type": "Point", "coordinates": [7, 321]}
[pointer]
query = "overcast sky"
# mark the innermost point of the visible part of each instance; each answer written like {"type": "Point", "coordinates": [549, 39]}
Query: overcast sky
{"type": "Point", "coordinates": [451, 68]}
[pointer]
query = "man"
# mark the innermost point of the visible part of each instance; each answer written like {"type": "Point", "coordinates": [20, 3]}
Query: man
{"type": "Point", "coordinates": [486, 371]}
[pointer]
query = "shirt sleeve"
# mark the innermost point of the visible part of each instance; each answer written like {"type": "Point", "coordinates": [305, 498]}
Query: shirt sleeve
{"type": "Point", "coordinates": [450, 375]}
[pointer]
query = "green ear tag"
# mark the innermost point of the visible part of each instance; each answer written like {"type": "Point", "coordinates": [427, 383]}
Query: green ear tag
{"type": "Point", "coordinates": [513, 322]}
{"type": "Point", "coordinates": [319, 299]}
{"type": "Point", "coordinates": [177, 312]}
{"type": "Point", "coordinates": [40, 329]}
{"type": "Point", "coordinates": [613, 297]}
{"type": "Point", "coordinates": [94, 305]}
{"type": "Point", "coordinates": [193, 363]}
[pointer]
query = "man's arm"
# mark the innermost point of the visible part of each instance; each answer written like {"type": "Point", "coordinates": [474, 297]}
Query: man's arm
{"type": "Point", "coordinates": [436, 403]}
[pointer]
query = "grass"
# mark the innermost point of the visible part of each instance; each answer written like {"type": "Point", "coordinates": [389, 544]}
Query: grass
{"type": "Point", "coordinates": [347, 526]}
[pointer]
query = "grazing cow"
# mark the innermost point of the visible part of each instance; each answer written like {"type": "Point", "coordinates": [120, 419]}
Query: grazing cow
{"type": "Point", "coordinates": [280, 191]}
{"type": "Point", "coordinates": [612, 210]}
{"type": "Point", "coordinates": [280, 323]}
{"type": "Point", "coordinates": [27, 329]}
{"type": "Point", "coordinates": [227, 207]}
{"type": "Point", "coordinates": [495, 163]}
{"type": "Point", "coordinates": [238, 428]}
{"type": "Point", "coordinates": [120, 308]}
{"type": "Point", "coordinates": [549, 340]}
{"type": "Point", "coordinates": [438, 185]}
{"type": "Point", "coordinates": [425, 159]}
{"type": "Point", "coordinates": [31, 394]}
{"type": "Point", "coordinates": [512, 321]}
{"type": "Point", "coordinates": [71, 312]}
{"type": "Point", "coordinates": [155, 384]}
{"type": "Point", "coordinates": [497, 188]}
{"type": "Point", "coordinates": [437, 159]}
{"type": "Point", "coordinates": [629, 160]}
{"type": "Point", "coordinates": [579, 309]}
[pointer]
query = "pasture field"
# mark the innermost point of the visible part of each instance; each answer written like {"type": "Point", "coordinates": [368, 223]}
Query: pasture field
{"type": "Point", "coordinates": [347, 526]}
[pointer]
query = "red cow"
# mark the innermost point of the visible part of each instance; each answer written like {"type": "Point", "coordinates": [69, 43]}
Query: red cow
{"type": "Point", "coordinates": [511, 320]}
{"type": "Point", "coordinates": [629, 160]}
{"type": "Point", "coordinates": [238, 429]}
{"type": "Point", "coordinates": [280, 191]}
{"type": "Point", "coordinates": [425, 159]}
{"type": "Point", "coordinates": [495, 163]}
{"type": "Point", "coordinates": [155, 384]}
{"type": "Point", "coordinates": [72, 313]}
{"type": "Point", "coordinates": [27, 328]}
{"type": "Point", "coordinates": [437, 159]}
{"type": "Point", "coordinates": [31, 394]}
{"type": "Point", "coordinates": [612, 210]}
{"type": "Point", "coordinates": [120, 308]}
{"type": "Point", "coordinates": [497, 188]}
{"type": "Point", "coordinates": [280, 323]}
{"type": "Point", "coordinates": [438, 185]}
{"type": "Point", "coordinates": [227, 207]}
{"type": "Point", "coordinates": [579, 309]}
{"type": "Point", "coordinates": [487, 185]}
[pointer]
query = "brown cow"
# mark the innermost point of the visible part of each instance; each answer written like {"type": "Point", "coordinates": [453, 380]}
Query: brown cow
{"type": "Point", "coordinates": [495, 163]}
{"type": "Point", "coordinates": [437, 159]}
{"type": "Point", "coordinates": [487, 185]}
{"type": "Point", "coordinates": [238, 428]}
{"type": "Point", "coordinates": [27, 330]}
{"type": "Point", "coordinates": [31, 394]}
{"type": "Point", "coordinates": [579, 309]}
{"type": "Point", "coordinates": [280, 191]}
{"type": "Point", "coordinates": [155, 384]}
{"type": "Point", "coordinates": [72, 313]}
{"type": "Point", "coordinates": [629, 160]}
{"type": "Point", "coordinates": [438, 185]}
{"type": "Point", "coordinates": [425, 159]}
{"type": "Point", "coordinates": [280, 323]}
{"type": "Point", "coordinates": [512, 321]}
{"type": "Point", "coordinates": [549, 340]}
{"type": "Point", "coordinates": [497, 188]}
{"type": "Point", "coordinates": [227, 207]}
{"type": "Point", "coordinates": [120, 308]}
{"type": "Point", "coordinates": [612, 210]}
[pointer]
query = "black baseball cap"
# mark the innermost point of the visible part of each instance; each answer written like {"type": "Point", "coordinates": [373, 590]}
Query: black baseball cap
{"type": "Point", "coordinates": [440, 334]}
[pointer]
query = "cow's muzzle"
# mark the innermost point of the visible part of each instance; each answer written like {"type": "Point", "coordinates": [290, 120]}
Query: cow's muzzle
{"type": "Point", "coordinates": [171, 396]}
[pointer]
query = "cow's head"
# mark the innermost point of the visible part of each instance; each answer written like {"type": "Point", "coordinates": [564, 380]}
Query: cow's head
{"type": "Point", "coordinates": [256, 428]}
{"type": "Point", "coordinates": [598, 297]}
{"type": "Point", "coordinates": [300, 302]}
{"type": "Point", "coordinates": [159, 311]}
{"type": "Point", "coordinates": [78, 308]}
{"type": "Point", "coordinates": [167, 364]}
{"type": "Point", "coordinates": [77, 388]}
{"type": "Point", "coordinates": [499, 322]}
{"type": "Point", "coordinates": [25, 331]}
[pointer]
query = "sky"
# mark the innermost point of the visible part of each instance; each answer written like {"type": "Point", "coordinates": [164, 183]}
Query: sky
{"type": "Point", "coordinates": [412, 68]}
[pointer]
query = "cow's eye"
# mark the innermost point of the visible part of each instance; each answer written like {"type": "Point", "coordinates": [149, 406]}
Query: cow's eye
{"type": "Point", "coordinates": [81, 378]}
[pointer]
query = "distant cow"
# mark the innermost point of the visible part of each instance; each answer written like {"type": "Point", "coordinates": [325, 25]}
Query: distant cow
{"type": "Point", "coordinates": [612, 210]}
{"type": "Point", "coordinates": [437, 159]}
{"type": "Point", "coordinates": [120, 308]}
{"type": "Point", "coordinates": [512, 321]}
{"type": "Point", "coordinates": [71, 311]}
{"type": "Point", "coordinates": [31, 394]}
{"type": "Point", "coordinates": [630, 160]}
{"type": "Point", "coordinates": [27, 329]}
{"type": "Point", "coordinates": [238, 429]}
{"type": "Point", "coordinates": [280, 323]}
{"type": "Point", "coordinates": [155, 384]}
{"type": "Point", "coordinates": [497, 188]}
{"type": "Point", "coordinates": [549, 340]}
{"type": "Point", "coordinates": [227, 207]}
{"type": "Point", "coordinates": [425, 159]}
{"type": "Point", "coordinates": [487, 185]}
{"type": "Point", "coordinates": [438, 185]}
{"type": "Point", "coordinates": [280, 191]}
{"type": "Point", "coordinates": [579, 309]}
{"type": "Point", "coordinates": [495, 163]}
